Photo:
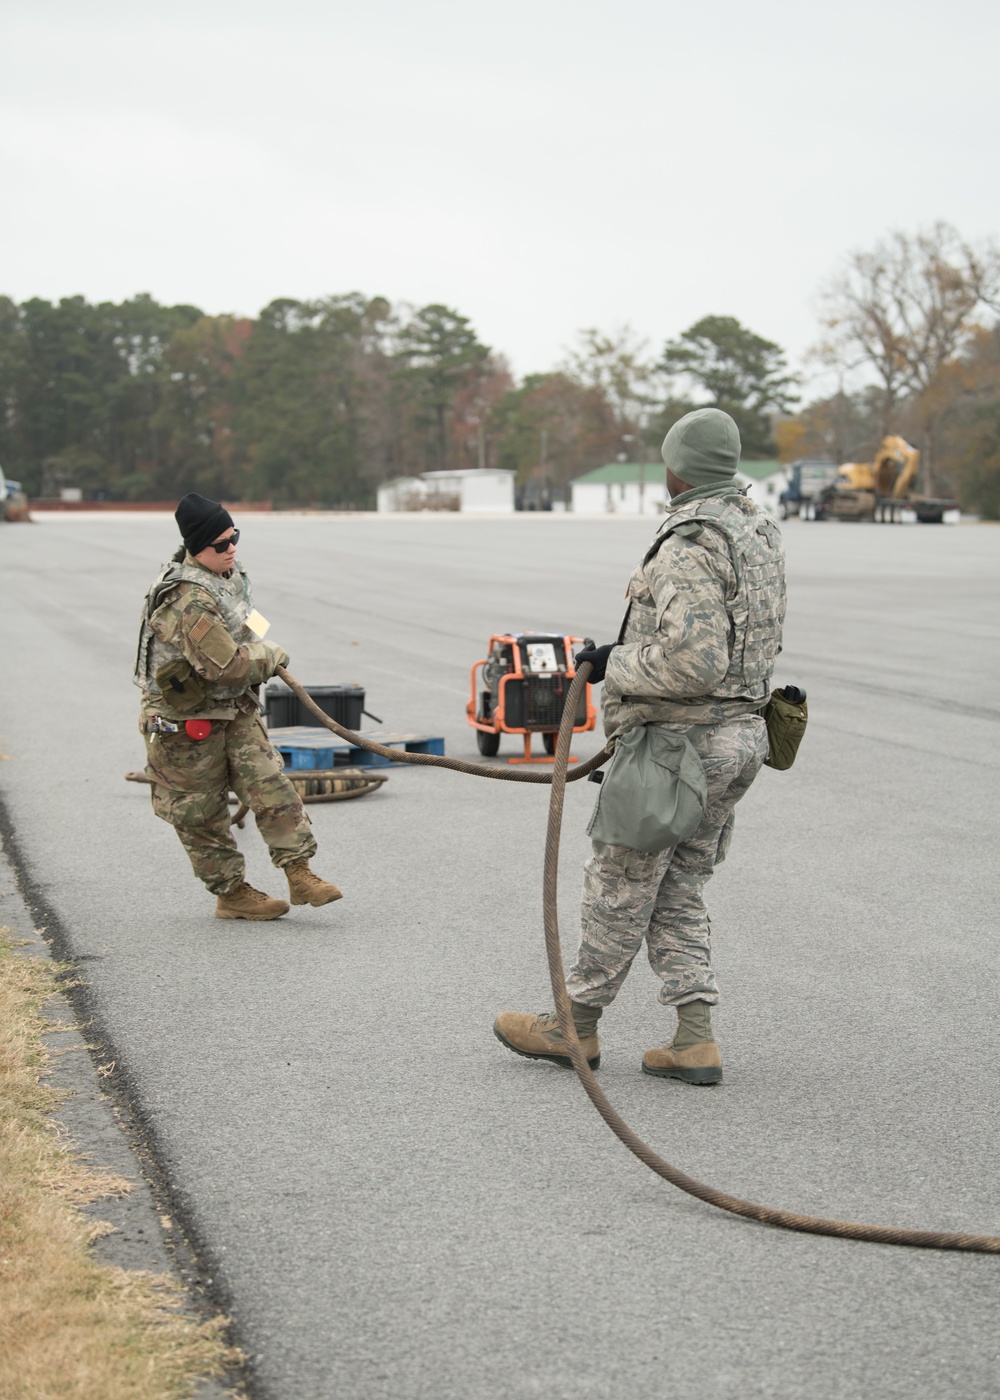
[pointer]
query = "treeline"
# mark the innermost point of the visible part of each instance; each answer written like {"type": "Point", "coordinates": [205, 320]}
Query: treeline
{"type": "Point", "coordinates": [318, 402]}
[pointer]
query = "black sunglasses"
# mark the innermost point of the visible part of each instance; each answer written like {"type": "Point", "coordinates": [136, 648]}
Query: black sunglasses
{"type": "Point", "coordinates": [220, 546]}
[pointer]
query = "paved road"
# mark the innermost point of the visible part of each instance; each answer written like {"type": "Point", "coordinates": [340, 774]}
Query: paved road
{"type": "Point", "coordinates": [393, 1205]}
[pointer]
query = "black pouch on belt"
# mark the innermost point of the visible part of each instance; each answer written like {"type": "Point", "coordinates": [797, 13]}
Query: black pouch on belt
{"type": "Point", "coordinates": [181, 686]}
{"type": "Point", "coordinates": [786, 716]}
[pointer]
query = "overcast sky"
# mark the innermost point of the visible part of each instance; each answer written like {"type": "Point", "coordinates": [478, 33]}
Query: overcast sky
{"type": "Point", "coordinates": [540, 165]}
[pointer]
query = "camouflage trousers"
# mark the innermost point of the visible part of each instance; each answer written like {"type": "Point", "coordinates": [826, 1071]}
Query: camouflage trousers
{"type": "Point", "coordinates": [191, 784]}
{"type": "Point", "coordinates": [633, 896]}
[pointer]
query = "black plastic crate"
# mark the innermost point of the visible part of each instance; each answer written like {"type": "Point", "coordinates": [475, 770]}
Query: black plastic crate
{"type": "Point", "coordinates": [283, 708]}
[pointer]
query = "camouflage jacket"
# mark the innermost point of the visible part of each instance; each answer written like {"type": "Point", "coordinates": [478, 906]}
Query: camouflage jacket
{"type": "Point", "coordinates": [703, 626]}
{"type": "Point", "coordinates": [194, 615]}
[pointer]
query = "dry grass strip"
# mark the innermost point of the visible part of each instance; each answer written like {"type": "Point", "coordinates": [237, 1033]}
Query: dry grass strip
{"type": "Point", "coordinates": [72, 1328]}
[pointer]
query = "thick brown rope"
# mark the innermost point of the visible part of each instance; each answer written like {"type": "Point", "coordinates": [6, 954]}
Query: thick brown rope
{"type": "Point", "coordinates": [788, 1220]}
{"type": "Point", "coordinates": [767, 1215]}
{"type": "Point", "coordinates": [433, 760]}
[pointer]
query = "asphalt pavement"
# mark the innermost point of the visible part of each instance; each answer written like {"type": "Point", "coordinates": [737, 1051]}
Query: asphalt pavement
{"type": "Point", "coordinates": [388, 1202]}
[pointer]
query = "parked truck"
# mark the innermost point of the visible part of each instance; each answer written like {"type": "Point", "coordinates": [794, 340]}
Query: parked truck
{"type": "Point", "coordinates": [882, 489]}
{"type": "Point", "coordinates": [806, 480]}
{"type": "Point", "coordinates": [13, 501]}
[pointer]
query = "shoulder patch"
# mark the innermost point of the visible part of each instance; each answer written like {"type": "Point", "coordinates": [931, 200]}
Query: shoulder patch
{"type": "Point", "coordinates": [213, 641]}
{"type": "Point", "coordinates": [689, 530]}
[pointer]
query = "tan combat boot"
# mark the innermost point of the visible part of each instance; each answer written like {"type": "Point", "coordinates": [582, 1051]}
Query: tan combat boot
{"type": "Point", "coordinates": [306, 888]}
{"type": "Point", "coordinates": [697, 1064]}
{"type": "Point", "coordinates": [539, 1038]}
{"type": "Point", "coordinates": [247, 903]}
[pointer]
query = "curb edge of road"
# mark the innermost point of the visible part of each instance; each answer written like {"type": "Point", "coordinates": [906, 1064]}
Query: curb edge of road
{"type": "Point", "coordinates": [107, 1124]}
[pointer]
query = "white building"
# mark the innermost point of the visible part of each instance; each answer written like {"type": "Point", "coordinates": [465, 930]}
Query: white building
{"type": "Point", "coordinates": [634, 488]}
{"type": "Point", "coordinates": [620, 488]}
{"type": "Point", "coordinates": [401, 493]}
{"type": "Point", "coordinates": [484, 490]}
{"type": "Point", "coordinates": [766, 480]}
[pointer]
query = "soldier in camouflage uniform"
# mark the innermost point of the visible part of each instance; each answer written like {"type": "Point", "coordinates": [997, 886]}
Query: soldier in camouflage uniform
{"type": "Point", "coordinates": [695, 655]}
{"type": "Point", "coordinates": [198, 666]}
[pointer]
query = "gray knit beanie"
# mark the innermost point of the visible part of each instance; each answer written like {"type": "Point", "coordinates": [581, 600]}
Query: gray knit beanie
{"type": "Point", "coordinates": [703, 448]}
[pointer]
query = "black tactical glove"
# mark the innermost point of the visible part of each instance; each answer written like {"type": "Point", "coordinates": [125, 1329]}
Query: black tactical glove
{"type": "Point", "coordinates": [598, 658]}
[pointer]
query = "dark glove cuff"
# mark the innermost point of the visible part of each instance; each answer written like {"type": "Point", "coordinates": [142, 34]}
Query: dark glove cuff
{"type": "Point", "coordinates": [598, 658]}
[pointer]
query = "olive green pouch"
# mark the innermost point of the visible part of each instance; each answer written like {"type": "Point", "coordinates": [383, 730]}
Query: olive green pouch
{"type": "Point", "coordinates": [654, 792]}
{"type": "Point", "coordinates": [181, 686]}
{"type": "Point", "coordinates": [786, 715]}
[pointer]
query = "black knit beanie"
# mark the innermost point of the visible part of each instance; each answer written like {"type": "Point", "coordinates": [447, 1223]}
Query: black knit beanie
{"type": "Point", "coordinates": [200, 521]}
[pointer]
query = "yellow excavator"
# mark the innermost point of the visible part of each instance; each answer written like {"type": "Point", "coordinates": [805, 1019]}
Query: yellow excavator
{"type": "Point", "coordinates": [882, 489]}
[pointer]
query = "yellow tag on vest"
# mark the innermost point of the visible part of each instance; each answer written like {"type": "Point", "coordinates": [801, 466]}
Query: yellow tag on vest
{"type": "Point", "coordinates": [258, 625]}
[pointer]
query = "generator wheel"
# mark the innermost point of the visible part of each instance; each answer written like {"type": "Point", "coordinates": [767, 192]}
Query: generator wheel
{"type": "Point", "coordinates": [549, 742]}
{"type": "Point", "coordinates": [489, 744]}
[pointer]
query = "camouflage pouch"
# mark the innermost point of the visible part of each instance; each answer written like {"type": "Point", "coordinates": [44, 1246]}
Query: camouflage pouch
{"type": "Point", "coordinates": [786, 715]}
{"type": "Point", "coordinates": [654, 792]}
{"type": "Point", "coordinates": [181, 686]}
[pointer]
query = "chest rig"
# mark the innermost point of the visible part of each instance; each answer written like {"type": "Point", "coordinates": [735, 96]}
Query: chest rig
{"type": "Point", "coordinates": [231, 597]}
{"type": "Point", "coordinates": [756, 610]}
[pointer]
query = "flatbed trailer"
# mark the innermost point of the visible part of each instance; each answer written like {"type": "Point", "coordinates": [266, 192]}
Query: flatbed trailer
{"type": "Point", "coordinates": [929, 510]}
{"type": "Point", "coordinates": [846, 503]}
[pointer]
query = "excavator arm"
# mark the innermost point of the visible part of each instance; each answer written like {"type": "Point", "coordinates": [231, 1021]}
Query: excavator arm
{"type": "Point", "coordinates": [895, 468]}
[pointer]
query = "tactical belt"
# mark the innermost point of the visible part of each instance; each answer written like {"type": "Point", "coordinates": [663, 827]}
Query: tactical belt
{"type": "Point", "coordinates": [196, 729]}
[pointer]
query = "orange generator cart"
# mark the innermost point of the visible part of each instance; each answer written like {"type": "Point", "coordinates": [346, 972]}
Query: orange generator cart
{"type": "Point", "coordinates": [521, 687]}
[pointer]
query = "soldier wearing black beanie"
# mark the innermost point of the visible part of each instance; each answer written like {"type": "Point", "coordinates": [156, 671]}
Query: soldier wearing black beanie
{"type": "Point", "coordinates": [200, 662]}
{"type": "Point", "coordinates": [201, 521]}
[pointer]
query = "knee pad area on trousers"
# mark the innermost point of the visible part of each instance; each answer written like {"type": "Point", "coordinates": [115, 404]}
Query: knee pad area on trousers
{"type": "Point", "coordinates": [189, 810]}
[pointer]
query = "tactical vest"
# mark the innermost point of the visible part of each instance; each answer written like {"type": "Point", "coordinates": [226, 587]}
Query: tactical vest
{"type": "Point", "coordinates": [756, 612]}
{"type": "Point", "coordinates": [230, 595]}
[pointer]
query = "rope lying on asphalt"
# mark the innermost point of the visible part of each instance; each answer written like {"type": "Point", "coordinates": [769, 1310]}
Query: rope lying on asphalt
{"type": "Point", "coordinates": [767, 1215]}
{"type": "Point", "coordinates": [430, 760]}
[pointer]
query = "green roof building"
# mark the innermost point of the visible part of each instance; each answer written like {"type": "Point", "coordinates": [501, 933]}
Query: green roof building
{"type": "Point", "coordinates": [640, 488]}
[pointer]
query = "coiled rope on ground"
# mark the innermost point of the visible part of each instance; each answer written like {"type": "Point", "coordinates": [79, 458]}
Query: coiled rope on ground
{"type": "Point", "coordinates": [559, 776]}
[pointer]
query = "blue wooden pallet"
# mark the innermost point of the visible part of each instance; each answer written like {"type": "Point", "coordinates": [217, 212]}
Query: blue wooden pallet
{"type": "Point", "coordinates": [301, 746]}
